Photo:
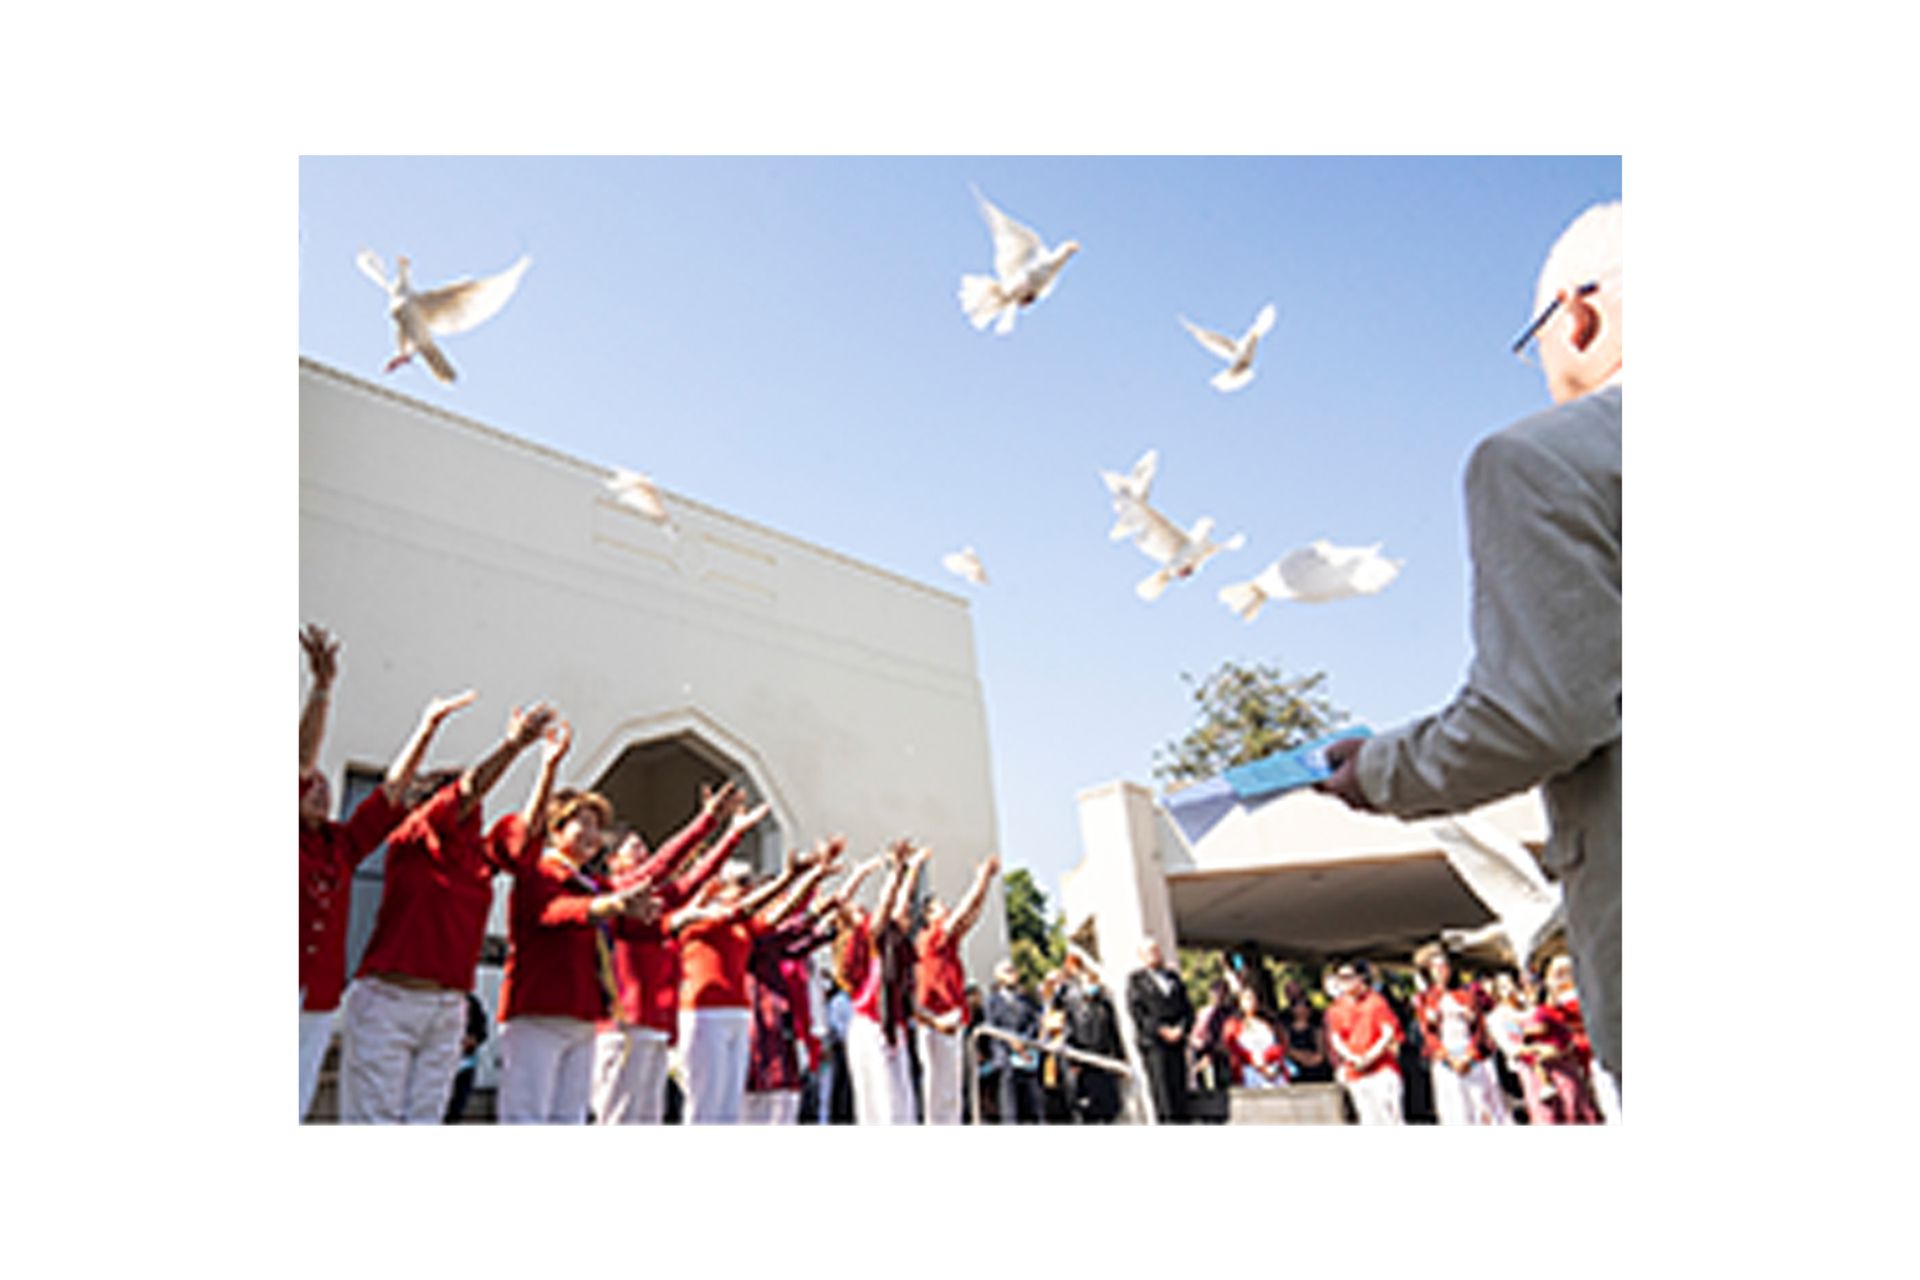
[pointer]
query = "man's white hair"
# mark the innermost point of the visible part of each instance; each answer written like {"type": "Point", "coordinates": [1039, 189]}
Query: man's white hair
{"type": "Point", "coordinates": [1589, 249]}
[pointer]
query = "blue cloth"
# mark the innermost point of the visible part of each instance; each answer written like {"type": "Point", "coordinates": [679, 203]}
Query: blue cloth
{"type": "Point", "coordinates": [1287, 770]}
{"type": "Point", "coordinates": [1197, 808]}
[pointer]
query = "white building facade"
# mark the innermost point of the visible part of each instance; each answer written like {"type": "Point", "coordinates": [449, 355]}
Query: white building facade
{"type": "Point", "coordinates": [447, 555]}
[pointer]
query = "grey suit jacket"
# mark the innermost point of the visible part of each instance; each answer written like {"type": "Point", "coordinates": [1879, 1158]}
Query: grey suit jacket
{"type": "Point", "coordinates": [1541, 703]}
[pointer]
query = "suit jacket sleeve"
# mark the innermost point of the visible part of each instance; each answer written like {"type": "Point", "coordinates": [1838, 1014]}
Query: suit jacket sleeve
{"type": "Point", "coordinates": [1543, 691]}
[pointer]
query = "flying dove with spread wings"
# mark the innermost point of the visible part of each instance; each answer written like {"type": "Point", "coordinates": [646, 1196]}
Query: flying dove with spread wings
{"type": "Point", "coordinates": [1238, 353]}
{"type": "Point", "coordinates": [1024, 271]}
{"type": "Point", "coordinates": [1180, 552]}
{"type": "Point", "coordinates": [452, 308]}
{"type": "Point", "coordinates": [636, 493]}
{"type": "Point", "coordinates": [1314, 574]}
{"type": "Point", "coordinates": [966, 563]}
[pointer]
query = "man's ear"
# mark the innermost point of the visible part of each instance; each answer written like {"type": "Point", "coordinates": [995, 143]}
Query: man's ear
{"type": "Point", "coordinates": [1583, 323]}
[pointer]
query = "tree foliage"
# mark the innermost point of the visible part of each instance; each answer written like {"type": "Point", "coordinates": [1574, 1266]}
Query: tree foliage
{"type": "Point", "coordinates": [1036, 943]}
{"type": "Point", "coordinates": [1244, 713]}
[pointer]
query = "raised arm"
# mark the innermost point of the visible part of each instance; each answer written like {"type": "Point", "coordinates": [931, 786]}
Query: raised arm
{"type": "Point", "coordinates": [751, 902]}
{"type": "Point", "coordinates": [968, 911]}
{"type": "Point", "coordinates": [524, 728]}
{"type": "Point", "coordinates": [897, 854]}
{"type": "Point", "coordinates": [813, 869]}
{"type": "Point", "coordinates": [407, 763]}
{"type": "Point", "coordinates": [323, 653]}
{"type": "Point", "coordinates": [903, 904]}
{"type": "Point", "coordinates": [738, 825]}
{"type": "Point", "coordinates": [553, 748]}
{"type": "Point", "coordinates": [714, 805]}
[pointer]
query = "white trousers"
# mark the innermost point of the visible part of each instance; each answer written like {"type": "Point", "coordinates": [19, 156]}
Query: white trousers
{"type": "Point", "coordinates": [881, 1076]}
{"type": "Point", "coordinates": [1376, 1098]}
{"type": "Point", "coordinates": [942, 1062]}
{"type": "Point", "coordinates": [316, 1032]}
{"type": "Point", "coordinates": [629, 1076]}
{"type": "Point", "coordinates": [1472, 1097]}
{"type": "Point", "coordinates": [399, 1049]}
{"type": "Point", "coordinates": [546, 1070]}
{"type": "Point", "coordinates": [771, 1106]}
{"type": "Point", "coordinates": [713, 1049]}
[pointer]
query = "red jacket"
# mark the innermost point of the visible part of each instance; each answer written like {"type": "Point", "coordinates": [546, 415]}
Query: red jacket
{"type": "Point", "coordinates": [328, 855]}
{"type": "Point", "coordinates": [553, 953]}
{"type": "Point", "coordinates": [646, 959]}
{"type": "Point", "coordinates": [1241, 1059]}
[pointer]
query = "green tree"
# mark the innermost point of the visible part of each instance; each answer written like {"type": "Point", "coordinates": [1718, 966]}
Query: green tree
{"type": "Point", "coordinates": [1035, 942]}
{"type": "Point", "coordinates": [1244, 713]}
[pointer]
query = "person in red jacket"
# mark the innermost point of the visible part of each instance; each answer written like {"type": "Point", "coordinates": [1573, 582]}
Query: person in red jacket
{"type": "Point", "coordinates": [630, 1052]}
{"type": "Point", "coordinates": [554, 991]}
{"type": "Point", "coordinates": [777, 977]}
{"type": "Point", "coordinates": [1458, 1048]}
{"type": "Point", "coordinates": [1255, 1046]}
{"type": "Point", "coordinates": [1365, 1039]}
{"type": "Point", "coordinates": [330, 850]}
{"type": "Point", "coordinates": [401, 1024]}
{"type": "Point", "coordinates": [716, 933]}
{"type": "Point", "coordinates": [940, 1007]}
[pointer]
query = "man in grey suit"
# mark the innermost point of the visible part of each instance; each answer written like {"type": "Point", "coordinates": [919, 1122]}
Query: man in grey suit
{"type": "Point", "coordinates": [1541, 703]}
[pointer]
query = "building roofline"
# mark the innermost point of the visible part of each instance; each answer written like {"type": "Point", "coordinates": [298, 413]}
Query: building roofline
{"type": "Point", "coordinates": [560, 456]}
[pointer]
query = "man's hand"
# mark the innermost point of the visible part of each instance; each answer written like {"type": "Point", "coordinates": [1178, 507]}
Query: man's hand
{"type": "Point", "coordinates": [323, 654]}
{"type": "Point", "coordinates": [525, 725]}
{"type": "Point", "coordinates": [440, 708]}
{"type": "Point", "coordinates": [1170, 1034]}
{"type": "Point", "coordinates": [556, 740]}
{"type": "Point", "coordinates": [1343, 755]}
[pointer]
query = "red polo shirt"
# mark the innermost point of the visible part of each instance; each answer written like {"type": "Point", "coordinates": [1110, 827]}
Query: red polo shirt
{"type": "Point", "coordinates": [713, 963]}
{"type": "Point", "coordinates": [328, 855]}
{"type": "Point", "coordinates": [553, 960]}
{"type": "Point", "coordinates": [1360, 1024]}
{"type": "Point", "coordinates": [439, 890]}
{"type": "Point", "coordinates": [940, 982]}
{"type": "Point", "coordinates": [646, 958]}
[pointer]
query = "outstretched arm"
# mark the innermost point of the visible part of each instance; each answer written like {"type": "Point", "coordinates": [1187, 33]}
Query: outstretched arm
{"type": "Point", "coordinates": [407, 763]}
{"type": "Point", "coordinates": [896, 855]}
{"type": "Point", "coordinates": [903, 904]}
{"type": "Point", "coordinates": [553, 748]}
{"type": "Point", "coordinates": [524, 728]}
{"type": "Point", "coordinates": [737, 827]}
{"type": "Point", "coordinates": [323, 653]}
{"type": "Point", "coordinates": [714, 807]}
{"type": "Point", "coordinates": [968, 911]}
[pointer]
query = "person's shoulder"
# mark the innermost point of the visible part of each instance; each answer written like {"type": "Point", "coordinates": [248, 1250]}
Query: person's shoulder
{"type": "Point", "coordinates": [1577, 432]}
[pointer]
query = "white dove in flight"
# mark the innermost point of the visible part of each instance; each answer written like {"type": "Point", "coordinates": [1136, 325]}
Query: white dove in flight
{"type": "Point", "coordinates": [1314, 574]}
{"type": "Point", "coordinates": [1130, 493]}
{"type": "Point", "coordinates": [1237, 354]}
{"type": "Point", "coordinates": [1024, 271]}
{"type": "Point", "coordinates": [966, 563]}
{"type": "Point", "coordinates": [636, 493]}
{"type": "Point", "coordinates": [451, 308]}
{"type": "Point", "coordinates": [1180, 553]}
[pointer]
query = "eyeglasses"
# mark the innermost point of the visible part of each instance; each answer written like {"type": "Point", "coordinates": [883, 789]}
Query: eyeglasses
{"type": "Point", "coordinates": [1522, 345]}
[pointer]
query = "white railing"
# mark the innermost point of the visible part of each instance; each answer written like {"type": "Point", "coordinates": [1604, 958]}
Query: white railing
{"type": "Point", "coordinates": [1139, 1096]}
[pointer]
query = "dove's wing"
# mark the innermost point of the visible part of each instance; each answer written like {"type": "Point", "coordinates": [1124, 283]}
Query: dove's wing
{"type": "Point", "coordinates": [1262, 322]}
{"type": "Point", "coordinates": [1014, 246]}
{"type": "Point", "coordinates": [457, 307]}
{"type": "Point", "coordinates": [1140, 481]}
{"type": "Point", "coordinates": [1218, 343]}
{"type": "Point", "coordinates": [375, 270]}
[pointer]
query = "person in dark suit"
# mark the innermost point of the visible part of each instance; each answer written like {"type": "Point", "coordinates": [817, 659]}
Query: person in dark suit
{"type": "Point", "coordinates": [1015, 1072]}
{"type": "Point", "coordinates": [1162, 1016]}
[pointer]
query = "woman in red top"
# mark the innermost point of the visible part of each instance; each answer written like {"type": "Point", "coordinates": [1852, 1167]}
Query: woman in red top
{"type": "Point", "coordinates": [553, 992]}
{"type": "Point", "coordinates": [630, 1052]}
{"type": "Point", "coordinates": [1458, 1048]}
{"type": "Point", "coordinates": [406, 1010]}
{"type": "Point", "coordinates": [329, 851]}
{"type": "Point", "coordinates": [716, 933]}
{"type": "Point", "coordinates": [940, 1003]}
{"type": "Point", "coordinates": [1254, 1044]}
{"type": "Point", "coordinates": [1555, 1046]}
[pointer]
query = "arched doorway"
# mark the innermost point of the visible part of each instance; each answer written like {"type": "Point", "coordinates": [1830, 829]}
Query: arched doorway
{"type": "Point", "coordinates": [654, 786]}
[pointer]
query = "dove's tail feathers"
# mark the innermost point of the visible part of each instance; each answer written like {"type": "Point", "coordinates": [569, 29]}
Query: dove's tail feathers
{"type": "Point", "coordinates": [1007, 313]}
{"type": "Point", "coordinates": [1244, 598]}
{"type": "Point", "coordinates": [980, 298]}
{"type": "Point", "coordinates": [1232, 379]}
{"type": "Point", "coordinates": [1153, 584]}
{"type": "Point", "coordinates": [436, 361]}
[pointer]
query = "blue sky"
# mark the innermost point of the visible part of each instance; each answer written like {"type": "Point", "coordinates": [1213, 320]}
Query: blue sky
{"type": "Point", "coordinates": [781, 338]}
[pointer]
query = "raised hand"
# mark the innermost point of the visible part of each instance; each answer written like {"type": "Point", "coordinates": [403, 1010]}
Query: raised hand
{"type": "Point", "coordinates": [323, 654]}
{"type": "Point", "coordinates": [558, 737]}
{"type": "Point", "coordinates": [745, 819]}
{"type": "Point", "coordinates": [440, 708]}
{"type": "Point", "coordinates": [526, 724]}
